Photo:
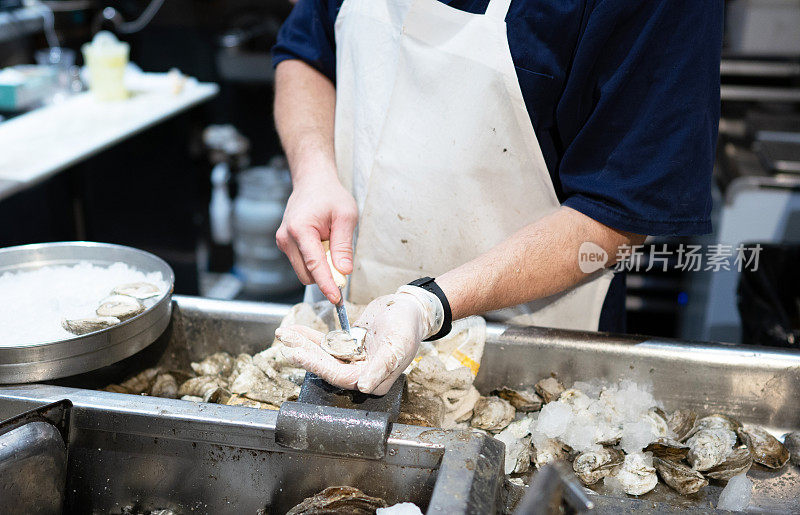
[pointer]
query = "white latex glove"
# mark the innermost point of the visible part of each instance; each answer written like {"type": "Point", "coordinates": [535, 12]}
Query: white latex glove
{"type": "Point", "coordinates": [395, 324]}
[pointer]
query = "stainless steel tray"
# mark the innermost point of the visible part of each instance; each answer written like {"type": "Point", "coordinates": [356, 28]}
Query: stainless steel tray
{"type": "Point", "coordinates": [40, 362]}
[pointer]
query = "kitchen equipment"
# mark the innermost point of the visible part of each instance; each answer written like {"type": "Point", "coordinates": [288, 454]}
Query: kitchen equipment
{"type": "Point", "coordinates": [257, 213]}
{"type": "Point", "coordinates": [40, 362]}
{"type": "Point", "coordinates": [144, 444]}
{"type": "Point", "coordinates": [33, 460]}
{"type": "Point", "coordinates": [341, 281]}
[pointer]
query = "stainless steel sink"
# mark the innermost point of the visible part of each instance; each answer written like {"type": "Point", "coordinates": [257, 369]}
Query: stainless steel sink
{"type": "Point", "coordinates": [150, 452]}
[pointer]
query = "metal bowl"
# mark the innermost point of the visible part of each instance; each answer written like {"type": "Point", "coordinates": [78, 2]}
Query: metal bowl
{"type": "Point", "coordinates": [51, 360]}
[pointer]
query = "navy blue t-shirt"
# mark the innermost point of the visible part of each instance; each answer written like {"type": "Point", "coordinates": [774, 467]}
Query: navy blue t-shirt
{"type": "Point", "coordinates": [623, 96]}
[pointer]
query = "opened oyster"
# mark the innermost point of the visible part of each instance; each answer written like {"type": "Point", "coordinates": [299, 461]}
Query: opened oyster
{"type": "Point", "coordinates": [339, 499]}
{"type": "Point", "coordinates": [592, 466]}
{"type": "Point", "coordinates": [737, 462]}
{"type": "Point", "coordinates": [138, 290]}
{"type": "Point", "coordinates": [120, 306]}
{"type": "Point", "coordinates": [522, 400]}
{"type": "Point", "coordinates": [636, 475]}
{"type": "Point", "coordinates": [219, 363]}
{"type": "Point", "coordinates": [492, 414]}
{"type": "Point", "coordinates": [549, 389]}
{"type": "Point", "coordinates": [79, 326]}
{"type": "Point", "coordinates": [346, 346]}
{"type": "Point", "coordinates": [709, 447]}
{"type": "Point", "coordinates": [765, 448]}
{"type": "Point", "coordinates": [679, 477]}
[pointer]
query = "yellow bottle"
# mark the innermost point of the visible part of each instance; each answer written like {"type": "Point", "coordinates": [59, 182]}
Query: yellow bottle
{"type": "Point", "coordinates": [106, 59]}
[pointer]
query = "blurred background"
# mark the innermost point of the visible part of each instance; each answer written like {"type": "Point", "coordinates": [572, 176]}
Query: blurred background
{"type": "Point", "coordinates": [189, 166]}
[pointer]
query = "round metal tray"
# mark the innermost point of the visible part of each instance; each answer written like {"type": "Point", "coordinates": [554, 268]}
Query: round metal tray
{"type": "Point", "coordinates": [51, 360]}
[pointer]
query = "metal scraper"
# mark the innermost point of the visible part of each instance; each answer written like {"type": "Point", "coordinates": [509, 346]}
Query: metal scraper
{"type": "Point", "coordinates": [341, 280]}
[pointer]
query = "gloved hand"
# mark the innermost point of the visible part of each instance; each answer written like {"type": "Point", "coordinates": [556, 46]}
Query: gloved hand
{"type": "Point", "coordinates": [395, 324]}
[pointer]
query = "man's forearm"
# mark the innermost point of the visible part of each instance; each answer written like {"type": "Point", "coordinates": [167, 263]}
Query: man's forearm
{"type": "Point", "coordinates": [305, 102]}
{"type": "Point", "coordinates": [539, 260]}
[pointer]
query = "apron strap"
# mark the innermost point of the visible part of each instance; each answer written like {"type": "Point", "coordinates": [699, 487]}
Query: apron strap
{"type": "Point", "coordinates": [498, 9]}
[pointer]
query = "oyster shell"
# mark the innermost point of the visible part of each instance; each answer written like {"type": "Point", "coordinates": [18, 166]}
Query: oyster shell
{"type": "Point", "coordinates": [715, 421]}
{"type": "Point", "coordinates": [549, 389]}
{"type": "Point", "coordinates": [517, 439]}
{"type": "Point", "coordinates": [119, 306]}
{"type": "Point", "coordinates": [138, 290]}
{"type": "Point", "coordinates": [636, 475]}
{"type": "Point", "coordinates": [201, 386]}
{"type": "Point", "coordinates": [658, 419]}
{"type": "Point", "coordinates": [346, 346]}
{"type": "Point", "coordinates": [709, 447]}
{"type": "Point", "coordinates": [459, 405]}
{"type": "Point", "coordinates": [432, 374]}
{"type": "Point", "coordinates": [79, 326]}
{"type": "Point", "coordinates": [141, 382]}
{"type": "Point", "coordinates": [592, 466]}
{"type": "Point", "coordinates": [238, 400]}
{"type": "Point", "coordinates": [737, 462]}
{"type": "Point", "coordinates": [765, 448]}
{"type": "Point", "coordinates": [522, 400]}
{"type": "Point", "coordinates": [421, 407]}
{"type": "Point", "coordinates": [240, 363]}
{"type": "Point", "coordinates": [192, 398]}
{"type": "Point", "coordinates": [681, 422]}
{"type": "Point", "coordinates": [792, 443]}
{"type": "Point", "coordinates": [219, 363]}
{"type": "Point", "coordinates": [254, 384]}
{"type": "Point", "coordinates": [548, 450]}
{"type": "Point", "coordinates": [679, 477]}
{"type": "Point", "coordinates": [668, 449]}
{"type": "Point", "coordinates": [339, 499]}
{"type": "Point", "coordinates": [492, 414]}
{"type": "Point", "coordinates": [166, 386]}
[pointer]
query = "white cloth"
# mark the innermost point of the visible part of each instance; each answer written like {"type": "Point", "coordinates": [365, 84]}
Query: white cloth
{"type": "Point", "coordinates": [434, 140]}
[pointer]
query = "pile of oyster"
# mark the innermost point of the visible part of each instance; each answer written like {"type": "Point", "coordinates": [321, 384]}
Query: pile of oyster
{"type": "Point", "coordinates": [263, 380]}
{"type": "Point", "coordinates": [124, 302]}
{"type": "Point", "coordinates": [614, 433]}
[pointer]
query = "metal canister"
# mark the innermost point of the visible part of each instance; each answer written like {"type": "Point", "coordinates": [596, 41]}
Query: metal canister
{"type": "Point", "coordinates": [257, 213]}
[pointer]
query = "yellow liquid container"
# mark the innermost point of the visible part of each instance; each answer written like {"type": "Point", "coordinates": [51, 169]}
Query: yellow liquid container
{"type": "Point", "coordinates": [106, 59]}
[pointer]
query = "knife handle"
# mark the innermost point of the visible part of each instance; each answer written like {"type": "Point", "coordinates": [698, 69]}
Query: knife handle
{"type": "Point", "coordinates": [339, 278]}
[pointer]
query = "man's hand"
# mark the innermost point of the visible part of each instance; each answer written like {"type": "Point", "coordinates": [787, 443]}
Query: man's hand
{"type": "Point", "coordinates": [395, 324]}
{"type": "Point", "coordinates": [319, 208]}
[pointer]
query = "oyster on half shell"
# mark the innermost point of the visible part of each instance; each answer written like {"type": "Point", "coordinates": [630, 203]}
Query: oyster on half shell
{"type": "Point", "coordinates": [120, 306]}
{"type": "Point", "coordinates": [79, 326]}
{"type": "Point", "coordinates": [346, 346]}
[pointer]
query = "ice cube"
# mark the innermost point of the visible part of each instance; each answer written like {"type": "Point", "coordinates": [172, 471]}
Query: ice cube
{"type": "Point", "coordinates": [636, 436]}
{"type": "Point", "coordinates": [403, 508]}
{"type": "Point", "coordinates": [736, 494]}
{"type": "Point", "coordinates": [554, 419]}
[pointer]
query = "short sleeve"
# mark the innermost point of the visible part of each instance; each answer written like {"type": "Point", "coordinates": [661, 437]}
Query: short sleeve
{"type": "Point", "coordinates": [308, 35]}
{"type": "Point", "coordinates": [639, 115]}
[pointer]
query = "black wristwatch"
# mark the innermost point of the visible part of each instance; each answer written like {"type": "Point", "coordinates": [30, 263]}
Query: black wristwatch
{"type": "Point", "coordinates": [428, 284]}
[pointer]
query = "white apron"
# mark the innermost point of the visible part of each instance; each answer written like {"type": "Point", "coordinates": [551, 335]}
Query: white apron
{"type": "Point", "coordinates": [434, 140]}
